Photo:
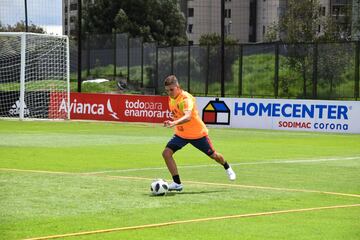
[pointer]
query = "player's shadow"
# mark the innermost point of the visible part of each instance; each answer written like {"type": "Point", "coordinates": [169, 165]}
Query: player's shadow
{"type": "Point", "coordinates": [196, 192]}
{"type": "Point", "coordinates": [170, 194]}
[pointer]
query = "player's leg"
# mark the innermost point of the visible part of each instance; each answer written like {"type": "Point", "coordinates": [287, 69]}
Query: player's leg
{"type": "Point", "coordinates": [175, 144]}
{"type": "Point", "coordinates": [204, 144]}
{"type": "Point", "coordinates": [220, 159]}
{"type": "Point", "coordinates": [170, 162]}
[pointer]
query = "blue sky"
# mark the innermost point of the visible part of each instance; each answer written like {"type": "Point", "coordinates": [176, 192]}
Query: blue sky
{"type": "Point", "coordinates": [45, 13]}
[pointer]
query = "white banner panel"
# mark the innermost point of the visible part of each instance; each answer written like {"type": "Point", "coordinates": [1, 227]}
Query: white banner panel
{"type": "Point", "coordinates": [281, 114]}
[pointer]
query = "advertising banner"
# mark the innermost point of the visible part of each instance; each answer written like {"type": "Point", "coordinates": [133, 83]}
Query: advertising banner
{"type": "Point", "coordinates": [36, 104]}
{"type": "Point", "coordinates": [276, 114]}
{"type": "Point", "coordinates": [8, 107]}
{"type": "Point", "coordinates": [303, 115]}
{"type": "Point", "coordinates": [115, 107]}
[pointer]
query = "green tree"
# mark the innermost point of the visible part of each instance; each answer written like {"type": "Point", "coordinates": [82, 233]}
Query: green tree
{"type": "Point", "coordinates": [153, 20]}
{"type": "Point", "coordinates": [215, 39]}
{"type": "Point", "coordinates": [20, 27]}
{"type": "Point", "coordinates": [299, 28]}
{"type": "Point", "coordinates": [300, 21]}
{"type": "Point", "coordinates": [335, 59]}
{"type": "Point", "coordinates": [355, 20]}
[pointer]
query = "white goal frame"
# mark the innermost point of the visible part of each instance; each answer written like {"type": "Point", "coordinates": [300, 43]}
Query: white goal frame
{"type": "Point", "coordinates": [23, 51]}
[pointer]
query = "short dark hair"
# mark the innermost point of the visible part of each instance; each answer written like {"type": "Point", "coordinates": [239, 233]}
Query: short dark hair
{"type": "Point", "coordinates": [170, 80]}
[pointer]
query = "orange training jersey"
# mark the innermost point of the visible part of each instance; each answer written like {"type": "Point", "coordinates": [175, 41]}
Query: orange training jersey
{"type": "Point", "coordinates": [193, 129]}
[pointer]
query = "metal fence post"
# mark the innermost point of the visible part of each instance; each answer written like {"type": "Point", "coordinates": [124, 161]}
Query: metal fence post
{"type": "Point", "coordinates": [306, 46]}
{"type": "Point", "coordinates": [79, 39]}
{"type": "Point", "coordinates": [222, 49]}
{"type": "Point", "coordinates": [207, 70]}
{"type": "Point", "coordinates": [240, 69]}
{"type": "Point", "coordinates": [26, 16]}
{"type": "Point", "coordinates": [156, 69]}
{"type": "Point", "coordinates": [189, 66]}
{"type": "Point", "coordinates": [357, 62]}
{"type": "Point", "coordinates": [276, 77]}
{"type": "Point", "coordinates": [115, 49]}
{"type": "Point", "coordinates": [172, 60]}
{"type": "Point", "coordinates": [128, 59]}
{"type": "Point", "coordinates": [87, 39]}
{"type": "Point", "coordinates": [315, 71]}
{"type": "Point", "coordinates": [142, 64]}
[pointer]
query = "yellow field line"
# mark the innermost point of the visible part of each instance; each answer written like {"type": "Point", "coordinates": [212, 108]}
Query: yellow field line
{"type": "Point", "coordinates": [232, 185]}
{"type": "Point", "coordinates": [246, 186]}
{"type": "Point", "coordinates": [192, 221]}
{"type": "Point", "coordinates": [275, 188]}
{"type": "Point", "coordinates": [36, 171]}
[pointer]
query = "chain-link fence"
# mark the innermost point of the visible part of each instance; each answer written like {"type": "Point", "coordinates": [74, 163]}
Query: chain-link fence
{"type": "Point", "coordinates": [272, 70]}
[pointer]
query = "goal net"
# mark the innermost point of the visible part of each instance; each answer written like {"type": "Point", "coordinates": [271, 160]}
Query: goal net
{"type": "Point", "coordinates": [34, 75]}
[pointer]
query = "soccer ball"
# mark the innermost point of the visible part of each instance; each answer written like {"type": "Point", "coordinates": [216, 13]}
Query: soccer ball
{"type": "Point", "coordinates": [159, 187]}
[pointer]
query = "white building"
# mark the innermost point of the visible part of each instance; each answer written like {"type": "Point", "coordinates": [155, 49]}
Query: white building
{"type": "Point", "coordinates": [70, 8]}
{"type": "Point", "coordinates": [245, 20]}
{"type": "Point", "coordinates": [248, 20]}
{"type": "Point", "coordinates": [356, 20]}
{"type": "Point", "coordinates": [204, 16]}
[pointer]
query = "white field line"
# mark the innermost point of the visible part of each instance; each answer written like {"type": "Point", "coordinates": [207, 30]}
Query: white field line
{"type": "Point", "coordinates": [230, 185]}
{"type": "Point", "coordinates": [235, 164]}
{"type": "Point", "coordinates": [164, 224]}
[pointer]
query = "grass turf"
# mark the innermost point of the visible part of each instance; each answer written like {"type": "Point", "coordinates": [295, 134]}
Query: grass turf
{"type": "Point", "coordinates": [34, 203]}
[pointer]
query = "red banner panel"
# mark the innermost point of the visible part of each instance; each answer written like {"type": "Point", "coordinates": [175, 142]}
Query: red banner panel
{"type": "Point", "coordinates": [115, 107]}
{"type": "Point", "coordinates": [57, 102]}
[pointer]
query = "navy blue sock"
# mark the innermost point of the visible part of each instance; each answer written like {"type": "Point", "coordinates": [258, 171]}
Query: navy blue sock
{"type": "Point", "coordinates": [176, 179]}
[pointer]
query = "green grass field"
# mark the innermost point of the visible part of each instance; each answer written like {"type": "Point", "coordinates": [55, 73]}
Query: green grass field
{"type": "Point", "coordinates": [91, 180]}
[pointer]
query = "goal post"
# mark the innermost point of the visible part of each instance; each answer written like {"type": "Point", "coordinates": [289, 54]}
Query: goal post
{"type": "Point", "coordinates": [34, 76]}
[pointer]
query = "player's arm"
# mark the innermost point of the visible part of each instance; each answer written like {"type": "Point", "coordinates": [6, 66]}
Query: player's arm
{"type": "Point", "coordinates": [186, 107]}
{"type": "Point", "coordinates": [183, 119]}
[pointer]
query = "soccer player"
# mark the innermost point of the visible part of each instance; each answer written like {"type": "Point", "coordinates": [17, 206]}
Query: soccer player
{"type": "Point", "coordinates": [188, 128]}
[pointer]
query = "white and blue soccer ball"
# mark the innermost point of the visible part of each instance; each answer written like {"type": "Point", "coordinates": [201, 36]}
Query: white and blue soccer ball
{"type": "Point", "coordinates": [159, 187]}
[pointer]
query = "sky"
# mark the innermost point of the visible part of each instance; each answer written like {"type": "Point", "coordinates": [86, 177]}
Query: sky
{"type": "Point", "coordinates": [44, 13]}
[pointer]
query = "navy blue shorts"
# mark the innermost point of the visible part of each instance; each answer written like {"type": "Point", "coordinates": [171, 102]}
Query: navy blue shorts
{"type": "Point", "coordinates": [203, 144]}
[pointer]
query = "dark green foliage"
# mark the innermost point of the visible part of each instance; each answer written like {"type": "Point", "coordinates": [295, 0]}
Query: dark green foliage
{"type": "Point", "coordinates": [153, 20]}
{"type": "Point", "coordinates": [301, 20]}
{"type": "Point", "coordinates": [20, 27]}
{"type": "Point", "coordinates": [215, 39]}
{"type": "Point", "coordinates": [300, 24]}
